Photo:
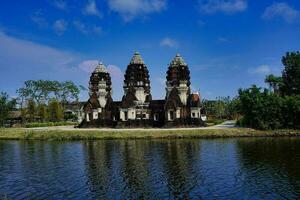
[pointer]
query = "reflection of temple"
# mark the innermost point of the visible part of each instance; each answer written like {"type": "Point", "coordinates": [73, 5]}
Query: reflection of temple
{"type": "Point", "coordinates": [142, 169]}
{"type": "Point", "coordinates": [137, 109]}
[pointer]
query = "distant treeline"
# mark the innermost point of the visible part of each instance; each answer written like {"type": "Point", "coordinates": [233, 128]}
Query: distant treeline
{"type": "Point", "coordinates": [40, 100]}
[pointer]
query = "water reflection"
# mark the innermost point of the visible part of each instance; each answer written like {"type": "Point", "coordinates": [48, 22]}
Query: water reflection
{"type": "Point", "coordinates": [271, 166]}
{"type": "Point", "coordinates": [138, 169]}
{"type": "Point", "coordinates": [261, 168]}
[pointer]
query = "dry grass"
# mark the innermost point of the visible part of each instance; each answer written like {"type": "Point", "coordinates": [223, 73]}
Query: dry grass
{"type": "Point", "coordinates": [30, 134]}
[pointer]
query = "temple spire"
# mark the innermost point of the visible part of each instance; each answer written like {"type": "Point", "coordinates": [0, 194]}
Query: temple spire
{"type": "Point", "coordinates": [100, 68]}
{"type": "Point", "coordinates": [137, 59]}
{"type": "Point", "coordinates": [178, 61]}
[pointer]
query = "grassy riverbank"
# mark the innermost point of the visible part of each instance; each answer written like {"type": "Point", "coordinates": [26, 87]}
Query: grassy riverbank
{"type": "Point", "coordinates": [78, 134]}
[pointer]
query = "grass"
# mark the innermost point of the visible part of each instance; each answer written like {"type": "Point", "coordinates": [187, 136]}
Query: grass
{"type": "Point", "coordinates": [215, 121]}
{"type": "Point", "coordinates": [46, 124]}
{"type": "Point", "coordinates": [81, 134]}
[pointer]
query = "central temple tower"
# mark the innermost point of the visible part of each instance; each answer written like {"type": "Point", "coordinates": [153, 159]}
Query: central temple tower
{"type": "Point", "coordinates": [135, 102]}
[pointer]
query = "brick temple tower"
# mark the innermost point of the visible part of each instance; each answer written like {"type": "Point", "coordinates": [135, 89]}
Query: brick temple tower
{"type": "Point", "coordinates": [135, 102]}
{"type": "Point", "coordinates": [178, 110]}
{"type": "Point", "coordinates": [99, 108]}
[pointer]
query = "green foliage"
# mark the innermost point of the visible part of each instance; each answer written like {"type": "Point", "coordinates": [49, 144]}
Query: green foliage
{"type": "Point", "coordinates": [6, 105]}
{"type": "Point", "coordinates": [43, 90]}
{"type": "Point", "coordinates": [214, 121]}
{"type": "Point", "coordinates": [291, 111]}
{"type": "Point", "coordinates": [291, 73]}
{"type": "Point", "coordinates": [275, 83]}
{"type": "Point", "coordinates": [31, 109]}
{"type": "Point", "coordinates": [264, 110]}
{"type": "Point", "coordinates": [68, 91]}
{"type": "Point", "coordinates": [261, 110]}
{"type": "Point", "coordinates": [42, 112]}
{"type": "Point", "coordinates": [38, 93]}
{"type": "Point", "coordinates": [221, 108]}
{"type": "Point", "coordinates": [280, 106]}
{"type": "Point", "coordinates": [70, 116]}
{"type": "Point", "coordinates": [47, 124]}
{"type": "Point", "coordinates": [55, 111]}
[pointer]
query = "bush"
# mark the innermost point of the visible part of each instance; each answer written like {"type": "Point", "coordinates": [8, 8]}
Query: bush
{"type": "Point", "coordinates": [265, 110]}
{"type": "Point", "coordinates": [46, 124]}
{"type": "Point", "coordinates": [291, 111]}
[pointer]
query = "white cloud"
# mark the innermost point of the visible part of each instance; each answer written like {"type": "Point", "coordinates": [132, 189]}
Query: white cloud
{"type": "Point", "coordinates": [91, 9]}
{"type": "Point", "coordinates": [261, 70]}
{"type": "Point", "coordinates": [97, 29]}
{"type": "Point", "coordinates": [60, 26]}
{"type": "Point", "coordinates": [200, 23]}
{"type": "Point", "coordinates": [130, 9]}
{"type": "Point", "coordinates": [88, 65]}
{"type": "Point", "coordinates": [115, 72]}
{"type": "Point", "coordinates": [60, 4]}
{"type": "Point", "coordinates": [117, 78]}
{"type": "Point", "coordinates": [283, 10]}
{"type": "Point", "coordinates": [161, 81]}
{"type": "Point", "coordinates": [81, 27]}
{"type": "Point", "coordinates": [222, 40]}
{"type": "Point", "coordinates": [22, 51]}
{"type": "Point", "coordinates": [24, 60]}
{"type": "Point", "coordinates": [169, 42]}
{"type": "Point", "coordinates": [225, 6]}
{"type": "Point", "coordinates": [38, 19]}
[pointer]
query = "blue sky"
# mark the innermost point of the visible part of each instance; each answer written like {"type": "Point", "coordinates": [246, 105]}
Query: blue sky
{"type": "Point", "coordinates": [228, 44]}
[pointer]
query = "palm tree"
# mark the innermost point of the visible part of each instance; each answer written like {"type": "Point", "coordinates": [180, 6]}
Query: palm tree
{"type": "Point", "coordinates": [274, 83]}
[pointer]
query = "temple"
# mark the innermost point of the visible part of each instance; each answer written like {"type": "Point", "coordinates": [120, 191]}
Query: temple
{"type": "Point", "coordinates": [180, 108]}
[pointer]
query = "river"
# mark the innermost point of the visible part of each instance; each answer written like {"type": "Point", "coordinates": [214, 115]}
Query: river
{"type": "Point", "coordinates": [240, 168]}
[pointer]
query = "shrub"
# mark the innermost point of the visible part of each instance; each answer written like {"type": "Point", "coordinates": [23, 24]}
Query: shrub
{"type": "Point", "coordinates": [46, 124]}
{"type": "Point", "coordinates": [265, 110]}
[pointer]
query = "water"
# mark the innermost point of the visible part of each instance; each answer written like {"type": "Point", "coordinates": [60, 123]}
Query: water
{"type": "Point", "coordinates": [264, 168]}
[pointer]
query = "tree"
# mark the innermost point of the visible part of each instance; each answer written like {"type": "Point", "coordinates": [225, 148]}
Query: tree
{"type": "Point", "coordinates": [43, 90]}
{"type": "Point", "coordinates": [275, 83]}
{"type": "Point", "coordinates": [291, 111]}
{"type": "Point", "coordinates": [233, 108]}
{"type": "Point", "coordinates": [291, 73]}
{"type": "Point", "coordinates": [42, 112]}
{"type": "Point", "coordinates": [55, 111]}
{"type": "Point", "coordinates": [31, 109]}
{"type": "Point", "coordinates": [68, 92]}
{"type": "Point", "coordinates": [6, 105]}
{"type": "Point", "coordinates": [221, 108]}
{"type": "Point", "coordinates": [261, 109]}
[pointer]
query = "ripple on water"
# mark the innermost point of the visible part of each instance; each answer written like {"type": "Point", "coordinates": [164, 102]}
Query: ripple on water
{"type": "Point", "coordinates": [151, 169]}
